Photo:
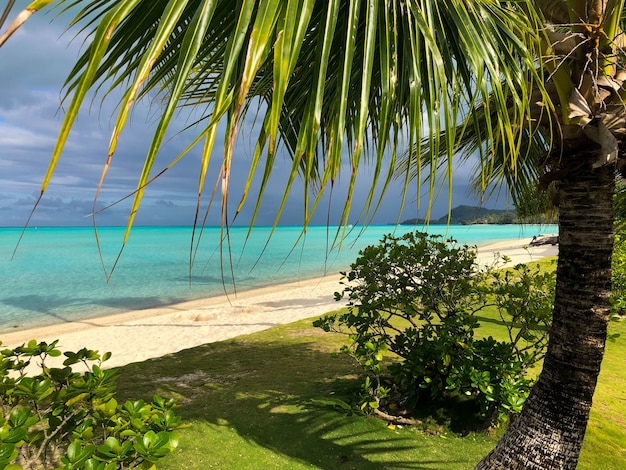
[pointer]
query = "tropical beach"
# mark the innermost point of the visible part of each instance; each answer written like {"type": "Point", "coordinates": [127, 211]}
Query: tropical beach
{"type": "Point", "coordinates": [266, 113]}
{"type": "Point", "coordinates": [147, 333]}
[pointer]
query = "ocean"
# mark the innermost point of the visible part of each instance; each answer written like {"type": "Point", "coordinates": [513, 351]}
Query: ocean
{"type": "Point", "coordinates": [56, 275]}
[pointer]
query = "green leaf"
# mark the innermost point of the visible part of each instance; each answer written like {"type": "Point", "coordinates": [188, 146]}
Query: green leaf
{"type": "Point", "coordinates": [81, 396]}
{"type": "Point", "coordinates": [8, 452]}
{"type": "Point", "coordinates": [150, 439]}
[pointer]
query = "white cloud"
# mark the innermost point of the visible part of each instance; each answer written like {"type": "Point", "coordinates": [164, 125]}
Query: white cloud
{"type": "Point", "coordinates": [16, 137]}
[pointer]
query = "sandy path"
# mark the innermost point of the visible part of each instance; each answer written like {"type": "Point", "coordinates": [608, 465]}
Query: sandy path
{"type": "Point", "coordinates": [143, 334]}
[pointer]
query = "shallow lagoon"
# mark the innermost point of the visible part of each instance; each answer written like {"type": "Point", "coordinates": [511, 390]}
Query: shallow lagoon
{"type": "Point", "coordinates": [56, 275]}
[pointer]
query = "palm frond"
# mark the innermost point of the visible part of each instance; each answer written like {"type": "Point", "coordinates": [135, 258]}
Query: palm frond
{"type": "Point", "coordinates": [343, 82]}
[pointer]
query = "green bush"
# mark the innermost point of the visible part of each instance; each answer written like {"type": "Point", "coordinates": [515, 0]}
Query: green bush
{"type": "Point", "coordinates": [418, 297]}
{"type": "Point", "coordinates": [54, 417]}
{"type": "Point", "coordinates": [618, 293]}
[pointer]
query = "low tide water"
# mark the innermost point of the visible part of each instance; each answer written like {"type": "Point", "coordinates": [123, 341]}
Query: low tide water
{"type": "Point", "coordinates": [57, 276]}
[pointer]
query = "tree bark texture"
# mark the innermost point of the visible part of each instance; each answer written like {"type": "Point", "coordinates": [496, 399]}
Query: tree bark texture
{"type": "Point", "coordinates": [549, 432]}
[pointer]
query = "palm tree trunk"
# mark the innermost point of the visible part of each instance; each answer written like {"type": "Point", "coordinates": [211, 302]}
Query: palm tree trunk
{"type": "Point", "coordinates": [549, 432]}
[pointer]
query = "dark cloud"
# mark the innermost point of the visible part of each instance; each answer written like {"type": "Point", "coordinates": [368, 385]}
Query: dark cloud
{"type": "Point", "coordinates": [164, 203]}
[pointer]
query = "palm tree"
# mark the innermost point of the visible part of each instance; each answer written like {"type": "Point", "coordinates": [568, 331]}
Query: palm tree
{"type": "Point", "coordinates": [534, 89]}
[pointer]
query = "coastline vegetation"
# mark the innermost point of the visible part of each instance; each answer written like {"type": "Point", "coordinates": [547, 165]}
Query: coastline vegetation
{"type": "Point", "coordinates": [285, 398]}
{"type": "Point", "coordinates": [531, 93]}
{"type": "Point", "coordinates": [473, 215]}
{"type": "Point", "coordinates": [273, 399]}
{"type": "Point", "coordinates": [419, 300]}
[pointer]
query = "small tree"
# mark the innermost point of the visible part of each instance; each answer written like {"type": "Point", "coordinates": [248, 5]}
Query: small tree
{"type": "Point", "coordinates": [418, 297]}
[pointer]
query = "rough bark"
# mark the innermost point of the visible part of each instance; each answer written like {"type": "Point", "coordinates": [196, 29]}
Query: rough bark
{"type": "Point", "coordinates": [549, 432]}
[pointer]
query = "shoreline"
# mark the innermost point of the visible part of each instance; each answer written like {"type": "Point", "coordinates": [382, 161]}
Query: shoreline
{"type": "Point", "coordinates": [139, 335]}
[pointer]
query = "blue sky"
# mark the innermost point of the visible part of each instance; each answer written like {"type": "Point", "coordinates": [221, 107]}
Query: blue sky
{"type": "Point", "coordinates": [34, 64]}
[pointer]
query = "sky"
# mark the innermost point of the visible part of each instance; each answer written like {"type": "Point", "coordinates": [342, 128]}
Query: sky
{"type": "Point", "coordinates": [33, 66]}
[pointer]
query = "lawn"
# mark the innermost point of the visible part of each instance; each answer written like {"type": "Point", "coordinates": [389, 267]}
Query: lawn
{"type": "Point", "coordinates": [266, 401]}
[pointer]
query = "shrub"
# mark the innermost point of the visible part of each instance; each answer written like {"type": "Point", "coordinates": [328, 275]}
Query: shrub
{"type": "Point", "coordinates": [524, 298]}
{"type": "Point", "coordinates": [54, 417]}
{"type": "Point", "coordinates": [618, 293]}
{"type": "Point", "coordinates": [417, 297]}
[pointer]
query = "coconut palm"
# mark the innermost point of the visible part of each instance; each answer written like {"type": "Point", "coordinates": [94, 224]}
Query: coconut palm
{"type": "Point", "coordinates": [532, 90]}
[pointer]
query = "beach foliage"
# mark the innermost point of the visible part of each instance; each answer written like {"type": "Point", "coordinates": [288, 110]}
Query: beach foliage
{"type": "Point", "coordinates": [419, 297]}
{"type": "Point", "coordinates": [618, 293]}
{"type": "Point", "coordinates": [272, 399]}
{"type": "Point", "coordinates": [529, 93]}
{"type": "Point", "coordinates": [54, 417]}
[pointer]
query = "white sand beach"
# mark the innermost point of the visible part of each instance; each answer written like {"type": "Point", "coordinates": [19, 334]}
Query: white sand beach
{"type": "Point", "coordinates": [143, 334]}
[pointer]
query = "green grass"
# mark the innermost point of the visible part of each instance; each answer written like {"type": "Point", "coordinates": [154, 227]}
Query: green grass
{"type": "Point", "coordinates": [254, 402]}
{"type": "Point", "coordinates": [265, 401]}
{"type": "Point", "coordinates": [605, 442]}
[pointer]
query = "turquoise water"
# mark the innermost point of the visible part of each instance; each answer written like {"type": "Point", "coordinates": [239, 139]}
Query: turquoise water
{"type": "Point", "coordinates": [56, 275]}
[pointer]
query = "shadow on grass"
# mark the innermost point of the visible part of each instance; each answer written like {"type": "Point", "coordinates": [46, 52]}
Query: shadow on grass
{"type": "Point", "coordinates": [268, 394]}
{"type": "Point", "coordinates": [498, 321]}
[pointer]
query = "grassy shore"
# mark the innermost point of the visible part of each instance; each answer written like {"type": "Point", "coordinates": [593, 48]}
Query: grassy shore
{"type": "Point", "coordinates": [265, 400]}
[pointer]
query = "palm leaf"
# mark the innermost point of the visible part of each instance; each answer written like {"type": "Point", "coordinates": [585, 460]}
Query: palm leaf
{"type": "Point", "coordinates": [343, 82]}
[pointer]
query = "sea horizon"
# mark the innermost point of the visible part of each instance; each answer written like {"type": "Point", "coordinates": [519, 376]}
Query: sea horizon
{"type": "Point", "coordinates": [57, 276]}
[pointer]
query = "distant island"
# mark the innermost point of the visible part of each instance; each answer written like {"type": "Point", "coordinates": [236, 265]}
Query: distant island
{"type": "Point", "coordinates": [472, 215]}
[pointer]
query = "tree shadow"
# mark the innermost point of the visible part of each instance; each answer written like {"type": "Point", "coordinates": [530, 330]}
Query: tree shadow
{"type": "Point", "coordinates": [500, 322]}
{"type": "Point", "coordinates": [279, 395]}
{"type": "Point", "coordinates": [459, 414]}
{"type": "Point", "coordinates": [53, 309]}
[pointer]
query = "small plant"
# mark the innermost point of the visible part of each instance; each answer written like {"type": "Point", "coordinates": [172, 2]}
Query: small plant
{"type": "Point", "coordinates": [417, 297]}
{"type": "Point", "coordinates": [57, 418]}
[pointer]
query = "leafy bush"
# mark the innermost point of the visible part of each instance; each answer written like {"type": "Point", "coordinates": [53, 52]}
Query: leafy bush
{"type": "Point", "coordinates": [418, 297]}
{"type": "Point", "coordinates": [524, 296]}
{"type": "Point", "coordinates": [59, 418]}
{"type": "Point", "coordinates": [618, 293]}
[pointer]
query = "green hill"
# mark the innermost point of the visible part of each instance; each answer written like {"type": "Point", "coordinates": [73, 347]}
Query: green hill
{"type": "Point", "coordinates": [467, 215]}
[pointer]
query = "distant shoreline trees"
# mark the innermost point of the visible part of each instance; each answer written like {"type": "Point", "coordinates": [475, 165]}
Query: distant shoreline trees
{"type": "Point", "coordinates": [473, 215]}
